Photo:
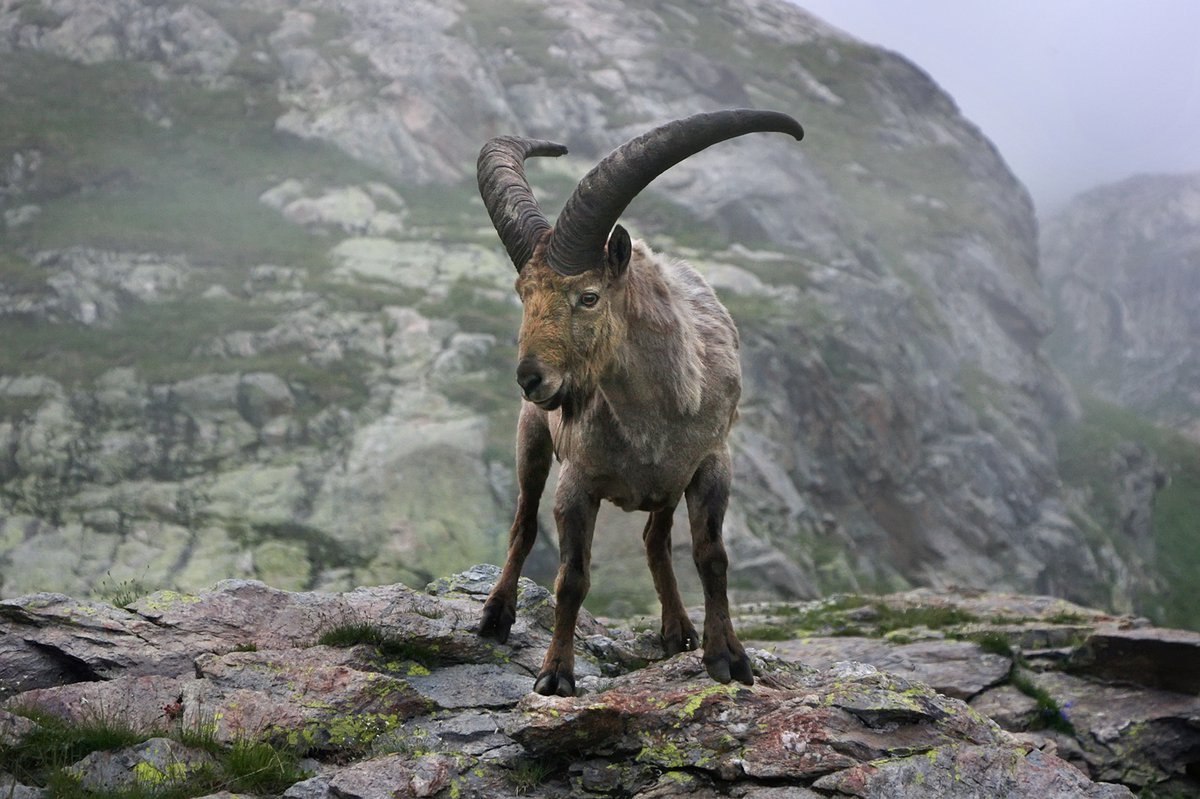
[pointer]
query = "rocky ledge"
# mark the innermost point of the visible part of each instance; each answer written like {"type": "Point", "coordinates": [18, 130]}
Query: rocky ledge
{"type": "Point", "coordinates": [388, 692]}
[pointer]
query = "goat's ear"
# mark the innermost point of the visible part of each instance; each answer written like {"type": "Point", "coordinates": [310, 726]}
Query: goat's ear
{"type": "Point", "coordinates": [618, 251]}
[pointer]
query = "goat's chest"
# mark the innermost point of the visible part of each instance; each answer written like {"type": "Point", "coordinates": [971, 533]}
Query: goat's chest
{"type": "Point", "coordinates": [644, 466]}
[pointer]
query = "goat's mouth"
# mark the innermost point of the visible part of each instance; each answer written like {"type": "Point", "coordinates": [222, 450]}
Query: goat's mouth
{"type": "Point", "coordinates": [552, 402]}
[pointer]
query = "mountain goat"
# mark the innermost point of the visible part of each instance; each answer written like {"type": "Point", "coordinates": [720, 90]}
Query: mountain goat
{"type": "Point", "coordinates": [629, 368]}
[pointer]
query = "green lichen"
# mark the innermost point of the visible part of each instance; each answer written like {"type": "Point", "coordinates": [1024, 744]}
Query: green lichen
{"type": "Point", "coordinates": [694, 702]}
{"type": "Point", "coordinates": [162, 601]}
{"type": "Point", "coordinates": [662, 753]}
{"type": "Point", "coordinates": [680, 778]}
{"type": "Point", "coordinates": [343, 732]}
{"type": "Point", "coordinates": [149, 774]}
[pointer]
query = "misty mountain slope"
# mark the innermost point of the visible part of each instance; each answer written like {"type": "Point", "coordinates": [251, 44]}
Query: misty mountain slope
{"type": "Point", "coordinates": [1122, 266]}
{"type": "Point", "coordinates": [256, 322]}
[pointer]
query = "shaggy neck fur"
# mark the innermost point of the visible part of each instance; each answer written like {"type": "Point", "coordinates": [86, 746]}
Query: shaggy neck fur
{"type": "Point", "coordinates": [656, 368]}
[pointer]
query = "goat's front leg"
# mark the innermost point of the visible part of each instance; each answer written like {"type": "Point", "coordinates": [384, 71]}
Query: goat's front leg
{"type": "Point", "coordinates": [678, 633]}
{"type": "Point", "coordinates": [707, 498]}
{"type": "Point", "coordinates": [575, 514]}
{"type": "Point", "coordinates": [534, 452]}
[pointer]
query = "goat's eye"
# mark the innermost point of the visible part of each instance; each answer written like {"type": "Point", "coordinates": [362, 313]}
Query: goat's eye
{"type": "Point", "coordinates": [588, 299]}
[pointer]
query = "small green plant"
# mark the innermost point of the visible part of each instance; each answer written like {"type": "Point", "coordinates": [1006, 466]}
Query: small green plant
{"type": "Point", "coordinates": [993, 642]}
{"type": "Point", "coordinates": [934, 618]}
{"type": "Point", "coordinates": [1050, 715]}
{"type": "Point", "coordinates": [1066, 617]}
{"type": "Point", "coordinates": [44, 757]}
{"type": "Point", "coordinates": [258, 767]}
{"type": "Point", "coordinates": [120, 594]}
{"type": "Point", "coordinates": [529, 773]}
{"type": "Point", "coordinates": [356, 633]}
{"type": "Point", "coordinates": [55, 744]}
{"type": "Point", "coordinates": [766, 632]}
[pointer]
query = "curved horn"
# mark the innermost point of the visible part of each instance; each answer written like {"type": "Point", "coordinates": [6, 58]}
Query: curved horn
{"type": "Point", "coordinates": [506, 192]}
{"type": "Point", "coordinates": [583, 226]}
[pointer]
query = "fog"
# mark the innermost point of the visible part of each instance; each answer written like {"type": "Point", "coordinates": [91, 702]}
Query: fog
{"type": "Point", "coordinates": [1074, 93]}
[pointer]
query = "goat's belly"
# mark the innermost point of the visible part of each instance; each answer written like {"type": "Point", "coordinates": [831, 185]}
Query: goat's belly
{"type": "Point", "coordinates": [636, 489]}
{"type": "Point", "coordinates": [647, 501]}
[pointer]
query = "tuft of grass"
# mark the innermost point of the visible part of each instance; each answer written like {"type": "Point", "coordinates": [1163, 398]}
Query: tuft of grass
{"type": "Point", "coordinates": [257, 767]}
{"type": "Point", "coordinates": [1050, 715]}
{"type": "Point", "coordinates": [933, 617]}
{"type": "Point", "coordinates": [352, 634]}
{"type": "Point", "coordinates": [357, 633]}
{"type": "Point", "coordinates": [527, 774]}
{"type": "Point", "coordinates": [993, 642]}
{"type": "Point", "coordinates": [766, 632]}
{"type": "Point", "coordinates": [123, 593]}
{"type": "Point", "coordinates": [55, 744]}
{"type": "Point", "coordinates": [43, 757]}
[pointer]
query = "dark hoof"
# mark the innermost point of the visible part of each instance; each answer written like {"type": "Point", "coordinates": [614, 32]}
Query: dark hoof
{"type": "Point", "coordinates": [496, 621]}
{"type": "Point", "coordinates": [685, 640]}
{"type": "Point", "coordinates": [727, 667]}
{"type": "Point", "coordinates": [555, 684]}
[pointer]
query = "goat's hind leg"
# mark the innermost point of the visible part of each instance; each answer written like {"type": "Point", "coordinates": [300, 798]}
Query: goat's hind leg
{"type": "Point", "coordinates": [534, 453]}
{"type": "Point", "coordinates": [707, 498]}
{"type": "Point", "coordinates": [678, 633]}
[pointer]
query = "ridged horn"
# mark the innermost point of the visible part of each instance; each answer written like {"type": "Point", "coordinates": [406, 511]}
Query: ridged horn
{"type": "Point", "coordinates": [506, 193]}
{"type": "Point", "coordinates": [582, 228]}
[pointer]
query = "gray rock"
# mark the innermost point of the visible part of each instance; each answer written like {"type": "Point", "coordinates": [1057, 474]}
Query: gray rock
{"type": "Point", "coordinates": [996, 771]}
{"type": "Point", "coordinates": [13, 728]}
{"type": "Point", "coordinates": [262, 396]}
{"type": "Point", "coordinates": [423, 776]}
{"type": "Point", "coordinates": [415, 711]}
{"type": "Point", "coordinates": [156, 763]}
{"type": "Point", "coordinates": [1150, 656]}
{"type": "Point", "coordinates": [185, 41]}
{"type": "Point", "coordinates": [12, 789]}
{"type": "Point", "coordinates": [478, 686]}
{"type": "Point", "coordinates": [312, 699]}
{"type": "Point", "coordinates": [1009, 707]}
{"type": "Point", "coordinates": [956, 668]}
{"type": "Point", "coordinates": [1126, 733]}
{"type": "Point", "coordinates": [313, 788]}
{"type": "Point", "coordinates": [135, 703]}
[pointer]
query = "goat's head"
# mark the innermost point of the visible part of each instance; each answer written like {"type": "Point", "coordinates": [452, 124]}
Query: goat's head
{"type": "Point", "coordinates": [571, 275]}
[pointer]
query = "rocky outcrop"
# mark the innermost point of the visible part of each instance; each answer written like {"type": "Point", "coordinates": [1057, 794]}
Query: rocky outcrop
{"type": "Point", "coordinates": [1122, 264]}
{"type": "Point", "coordinates": [308, 379]}
{"type": "Point", "coordinates": [388, 691]}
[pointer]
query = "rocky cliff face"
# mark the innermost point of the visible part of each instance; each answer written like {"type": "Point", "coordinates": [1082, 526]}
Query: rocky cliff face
{"type": "Point", "coordinates": [1123, 265]}
{"type": "Point", "coordinates": [256, 323]}
{"type": "Point", "coordinates": [388, 692]}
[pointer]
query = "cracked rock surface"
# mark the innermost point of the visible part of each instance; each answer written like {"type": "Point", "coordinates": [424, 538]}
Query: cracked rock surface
{"type": "Point", "coordinates": [420, 706]}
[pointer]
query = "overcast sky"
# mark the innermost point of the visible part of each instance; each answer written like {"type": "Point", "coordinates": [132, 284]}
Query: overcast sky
{"type": "Point", "coordinates": [1074, 92]}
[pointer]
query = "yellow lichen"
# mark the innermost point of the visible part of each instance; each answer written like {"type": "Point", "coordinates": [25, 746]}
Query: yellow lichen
{"type": "Point", "coordinates": [165, 600]}
{"type": "Point", "coordinates": [149, 774]}
{"type": "Point", "coordinates": [697, 699]}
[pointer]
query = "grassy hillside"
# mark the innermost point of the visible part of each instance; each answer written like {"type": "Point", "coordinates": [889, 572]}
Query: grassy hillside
{"type": "Point", "coordinates": [1085, 456]}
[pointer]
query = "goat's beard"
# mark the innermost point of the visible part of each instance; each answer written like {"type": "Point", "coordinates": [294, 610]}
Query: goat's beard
{"type": "Point", "coordinates": [572, 398]}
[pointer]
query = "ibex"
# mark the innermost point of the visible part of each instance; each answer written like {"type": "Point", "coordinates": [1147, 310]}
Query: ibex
{"type": "Point", "coordinates": [629, 368]}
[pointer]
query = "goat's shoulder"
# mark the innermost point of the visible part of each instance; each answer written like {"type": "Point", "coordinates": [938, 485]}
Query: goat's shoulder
{"type": "Point", "coordinates": [663, 288]}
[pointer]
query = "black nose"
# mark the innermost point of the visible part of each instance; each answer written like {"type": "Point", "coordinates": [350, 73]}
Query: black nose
{"type": "Point", "coordinates": [529, 376]}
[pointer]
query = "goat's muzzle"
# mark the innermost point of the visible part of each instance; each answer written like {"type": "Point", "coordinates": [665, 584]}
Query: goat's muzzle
{"type": "Point", "coordinates": [541, 387]}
